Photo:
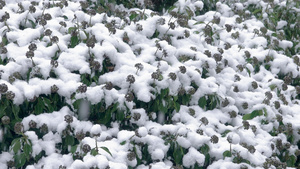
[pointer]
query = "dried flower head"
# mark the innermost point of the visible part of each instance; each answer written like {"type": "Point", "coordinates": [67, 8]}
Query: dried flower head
{"type": "Point", "coordinates": [10, 95]}
{"type": "Point", "coordinates": [30, 54]}
{"type": "Point", "coordinates": [129, 96]}
{"type": "Point", "coordinates": [54, 88]}
{"type": "Point", "coordinates": [54, 39]}
{"type": "Point", "coordinates": [131, 156]}
{"type": "Point", "coordinates": [172, 76]}
{"type": "Point", "coordinates": [47, 16]}
{"type": "Point", "coordinates": [246, 124]}
{"type": "Point", "coordinates": [3, 88]}
{"type": "Point", "coordinates": [214, 139]}
{"type": "Point", "coordinates": [228, 27]}
{"type": "Point", "coordinates": [130, 79]}
{"type": "Point", "coordinates": [139, 66]}
{"type": "Point", "coordinates": [108, 86]}
{"type": "Point", "coordinates": [18, 128]}
{"type": "Point", "coordinates": [86, 148]}
{"type": "Point", "coordinates": [32, 124]}
{"type": "Point", "coordinates": [68, 118]}
{"type": "Point", "coordinates": [82, 88]}
{"type": "Point", "coordinates": [204, 121]}
{"type": "Point", "coordinates": [136, 116]}
{"type": "Point", "coordinates": [218, 57]}
{"type": "Point", "coordinates": [5, 120]}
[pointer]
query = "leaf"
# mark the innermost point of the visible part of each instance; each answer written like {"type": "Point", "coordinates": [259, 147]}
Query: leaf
{"type": "Point", "coordinates": [120, 115]}
{"type": "Point", "coordinates": [227, 153]}
{"type": "Point", "coordinates": [16, 143]}
{"type": "Point", "coordinates": [123, 142]}
{"type": "Point", "coordinates": [74, 41]}
{"type": "Point", "coordinates": [32, 23]}
{"type": "Point", "coordinates": [69, 140]}
{"type": "Point", "coordinates": [4, 41]}
{"type": "Point", "coordinates": [252, 115]}
{"type": "Point", "coordinates": [107, 150]}
{"type": "Point", "coordinates": [272, 86]}
{"type": "Point", "coordinates": [291, 161]}
{"type": "Point", "coordinates": [73, 149]}
{"type": "Point", "coordinates": [133, 16]}
{"type": "Point", "coordinates": [177, 106]}
{"type": "Point", "coordinates": [178, 154]}
{"type": "Point", "coordinates": [199, 22]}
{"type": "Point", "coordinates": [27, 148]}
{"type": "Point", "coordinates": [39, 107]}
{"type": "Point", "coordinates": [65, 17]}
{"type": "Point", "coordinates": [20, 160]}
{"type": "Point", "coordinates": [94, 152]}
{"type": "Point", "coordinates": [202, 102]}
{"type": "Point", "coordinates": [16, 110]}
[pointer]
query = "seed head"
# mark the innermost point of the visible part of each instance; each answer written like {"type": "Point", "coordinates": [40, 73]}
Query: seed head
{"type": "Point", "coordinates": [139, 66]}
{"type": "Point", "coordinates": [136, 116]}
{"type": "Point", "coordinates": [225, 102]}
{"type": "Point", "coordinates": [108, 85]}
{"type": "Point", "coordinates": [204, 121]}
{"type": "Point", "coordinates": [86, 148]}
{"type": "Point", "coordinates": [218, 57]}
{"type": "Point", "coordinates": [131, 156]}
{"type": "Point", "coordinates": [54, 88]}
{"type": "Point", "coordinates": [246, 124]}
{"type": "Point", "coordinates": [80, 135]}
{"type": "Point", "coordinates": [191, 112]}
{"type": "Point", "coordinates": [130, 79]}
{"type": "Point", "coordinates": [10, 95]}
{"type": "Point", "coordinates": [228, 27]}
{"type": "Point", "coordinates": [30, 54]}
{"type": "Point", "coordinates": [214, 139]}
{"type": "Point", "coordinates": [68, 118]}
{"type": "Point", "coordinates": [44, 128]}
{"type": "Point", "coordinates": [47, 16]}
{"type": "Point", "coordinates": [5, 120]}
{"type": "Point", "coordinates": [54, 39]}
{"type": "Point", "coordinates": [172, 76]}
{"type": "Point", "coordinates": [254, 85]}
{"type": "Point", "coordinates": [232, 114]}
{"type": "Point", "coordinates": [32, 124]}
{"type": "Point", "coordinates": [47, 32]}
{"type": "Point", "coordinates": [62, 23]}
{"type": "Point", "coordinates": [129, 96]}
{"type": "Point", "coordinates": [18, 128]}
{"type": "Point", "coordinates": [3, 88]}
{"type": "Point", "coordinates": [82, 88]}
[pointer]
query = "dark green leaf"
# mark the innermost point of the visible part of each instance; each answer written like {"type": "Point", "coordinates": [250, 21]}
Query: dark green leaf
{"type": "Point", "coordinates": [27, 148]}
{"type": "Point", "coordinates": [252, 115]}
{"type": "Point", "coordinates": [65, 17]}
{"type": "Point", "coordinates": [20, 160]}
{"type": "Point", "coordinates": [227, 154]}
{"type": "Point", "coordinates": [120, 115]}
{"type": "Point", "coordinates": [32, 23]}
{"type": "Point", "coordinates": [178, 154]}
{"type": "Point", "coordinates": [74, 41]}
{"type": "Point", "coordinates": [16, 143]}
{"type": "Point", "coordinates": [73, 149]}
{"type": "Point", "coordinates": [94, 152]}
{"type": "Point", "coordinates": [39, 107]}
{"type": "Point", "coordinates": [202, 102]}
{"type": "Point", "coordinates": [107, 150]}
{"type": "Point", "coordinates": [177, 106]}
{"type": "Point", "coordinates": [123, 143]}
{"type": "Point", "coordinates": [291, 161]}
{"type": "Point", "coordinates": [69, 140]}
{"type": "Point", "coordinates": [133, 16]}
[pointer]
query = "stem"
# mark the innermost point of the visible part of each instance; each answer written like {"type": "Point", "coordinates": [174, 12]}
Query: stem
{"type": "Point", "coordinates": [58, 47]}
{"type": "Point", "coordinates": [26, 18]}
{"type": "Point", "coordinates": [7, 26]}
{"type": "Point", "coordinates": [143, 13]}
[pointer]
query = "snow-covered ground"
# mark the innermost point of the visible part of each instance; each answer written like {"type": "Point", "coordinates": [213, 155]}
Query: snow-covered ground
{"type": "Point", "coordinates": [221, 99]}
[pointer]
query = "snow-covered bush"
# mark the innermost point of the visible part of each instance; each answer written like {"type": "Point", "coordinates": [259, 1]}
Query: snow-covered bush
{"type": "Point", "coordinates": [123, 84]}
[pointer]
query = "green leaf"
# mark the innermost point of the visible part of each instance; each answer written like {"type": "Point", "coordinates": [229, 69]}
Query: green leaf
{"type": "Point", "coordinates": [252, 115]}
{"type": "Point", "coordinates": [204, 149]}
{"type": "Point", "coordinates": [16, 143]}
{"type": "Point", "coordinates": [39, 107]}
{"type": "Point", "coordinates": [177, 106]}
{"type": "Point", "coordinates": [4, 41]}
{"type": "Point", "coordinates": [123, 143]}
{"type": "Point", "coordinates": [65, 17]}
{"type": "Point", "coordinates": [107, 150]}
{"type": "Point", "coordinates": [133, 16]}
{"type": "Point", "coordinates": [94, 152]}
{"type": "Point", "coordinates": [74, 41]}
{"type": "Point", "coordinates": [33, 24]}
{"type": "Point", "coordinates": [291, 161]}
{"type": "Point", "coordinates": [20, 160]}
{"type": "Point", "coordinates": [202, 102]}
{"type": "Point", "coordinates": [69, 140]}
{"type": "Point", "coordinates": [227, 153]}
{"type": "Point", "coordinates": [272, 86]}
{"type": "Point", "coordinates": [27, 148]}
{"type": "Point", "coordinates": [120, 115]}
{"type": "Point", "coordinates": [16, 110]}
{"type": "Point", "coordinates": [73, 149]}
{"type": "Point", "coordinates": [178, 154]}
